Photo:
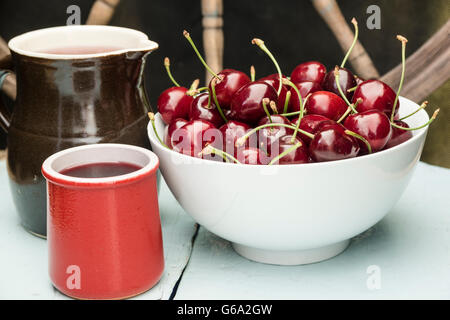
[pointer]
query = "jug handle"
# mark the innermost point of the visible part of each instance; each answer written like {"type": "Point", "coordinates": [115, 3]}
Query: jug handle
{"type": "Point", "coordinates": [8, 85]}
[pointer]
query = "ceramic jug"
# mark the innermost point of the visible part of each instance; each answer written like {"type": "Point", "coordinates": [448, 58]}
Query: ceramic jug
{"type": "Point", "coordinates": [76, 85]}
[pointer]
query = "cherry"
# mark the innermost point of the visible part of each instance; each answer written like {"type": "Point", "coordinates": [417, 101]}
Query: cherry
{"type": "Point", "coordinates": [310, 123]}
{"type": "Point", "coordinates": [372, 125]}
{"type": "Point", "coordinates": [346, 81]}
{"type": "Point", "coordinates": [202, 108]}
{"type": "Point", "coordinates": [228, 82]}
{"type": "Point", "coordinates": [359, 80]}
{"type": "Point", "coordinates": [375, 95]}
{"type": "Point", "coordinates": [398, 135]}
{"type": "Point", "coordinates": [193, 137]}
{"type": "Point", "coordinates": [326, 104]}
{"type": "Point", "coordinates": [332, 143]}
{"type": "Point", "coordinates": [176, 124]}
{"type": "Point", "coordinates": [246, 105]}
{"type": "Point", "coordinates": [291, 154]}
{"type": "Point", "coordinates": [274, 81]}
{"type": "Point", "coordinates": [305, 89]}
{"type": "Point", "coordinates": [231, 132]}
{"type": "Point", "coordinates": [309, 71]}
{"type": "Point", "coordinates": [268, 137]}
{"type": "Point", "coordinates": [174, 103]}
{"type": "Point", "coordinates": [249, 155]}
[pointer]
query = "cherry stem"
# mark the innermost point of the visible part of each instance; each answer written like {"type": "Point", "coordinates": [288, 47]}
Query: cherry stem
{"type": "Point", "coordinates": [286, 102]}
{"type": "Point", "coordinates": [273, 106]}
{"type": "Point", "coordinates": [354, 134]}
{"type": "Point", "coordinates": [355, 25]}
{"type": "Point", "coordinates": [189, 39]}
{"type": "Point", "coordinates": [338, 85]}
{"type": "Point", "coordinates": [285, 153]}
{"type": "Point", "coordinates": [169, 73]}
{"type": "Point", "coordinates": [422, 106]}
{"type": "Point", "coordinates": [293, 86]}
{"type": "Point", "coordinates": [211, 150]}
{"type": "Point", "coordinates": [240, 142]}
{"type": "Point", "coordinates": [352, 89]}
{"type": "Point", "coordinates": [151, 115]}
{"type": "Point", "coordinates": [265, 102]}
{"type": "Point", "coordinates": [213, 88]}
{"type": "Point", "coordinates": [263, 47]}
{"type": "Point", "coordinates": [402, 78]}
{"type": "Point", "coordinates": [417, 128]}
{"type": "Point", "coordinates": [358, 101]}
{"type": "Point", "coordinates": [252, 73]}
{"type": "Point", "coordinates": [296, 113]}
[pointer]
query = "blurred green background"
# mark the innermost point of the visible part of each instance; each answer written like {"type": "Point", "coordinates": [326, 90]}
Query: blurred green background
{"type": "Point", "coordinates": [291, 28]}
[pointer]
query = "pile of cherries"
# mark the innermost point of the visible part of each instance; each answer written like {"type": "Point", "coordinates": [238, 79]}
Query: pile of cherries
{"type": "Point", "coordinates": [311, 116]}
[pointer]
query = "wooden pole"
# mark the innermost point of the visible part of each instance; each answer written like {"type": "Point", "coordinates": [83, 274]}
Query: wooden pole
{"type": "Point", "coordinates": [213, 38]}
{"type": "Point", "coordinates": [360, 60]}
{"type": "Point", "coordinates": [102, 11]}
{"type": "Point", "coordinates": [426, 69]}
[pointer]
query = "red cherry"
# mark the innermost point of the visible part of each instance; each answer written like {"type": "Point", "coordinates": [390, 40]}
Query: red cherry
{"type": "Point", "coordinates": [176, 124]}
{"type": "Point", "coordinates": [359, 80]}
{"type": "Point", "coordinates": [228, 83]}
{"type": "Point", "coordinates": [305, 89]}
{"type": "Point", "coordinates": [372, 125]}
{"type": "Point", "coordinates": [201, 111]}
{"type": "Point", "coordinates": [310, 123]}
{"type": "Point", "coordinates": [231, 132]}
{"type": "Point", "coordinates": [268, 138]}
{"type": "Point", "coordinates": [255, 156]}
{"type": "Point", "coordinates": [326, 104]}
{"type": "Point", "coordinates": [398, 135]}
{"type": "Point", "coordinates": [332, 143]}
{"type": "Point", "coordinates": [297, 156]}
{"type": "Point", "coordinates": [346, 82]}
{"type": "Point", "coordinates": [246, 105]}
{"type": "Point", "coordinates": [375, 95]}
{"type": "Point", "coordinates": [174, 103]}
{"type": "Point", "coordinates": [274, 81]}
{"type": "Point", "coordinates": [309, 71]}
{"type": "Point", "coordinates": [193, 137]}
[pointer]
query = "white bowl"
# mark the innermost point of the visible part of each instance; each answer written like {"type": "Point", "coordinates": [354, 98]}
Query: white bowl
{"type": "Point", "coordinates": [292, 214]}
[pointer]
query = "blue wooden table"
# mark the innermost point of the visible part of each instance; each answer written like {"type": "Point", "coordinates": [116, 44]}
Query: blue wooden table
{"type": "Point", "coordinates": [406, 255]}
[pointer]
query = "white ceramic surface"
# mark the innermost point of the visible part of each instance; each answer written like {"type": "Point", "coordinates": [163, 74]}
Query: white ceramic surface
{"type": "Point", "coordinates": [292, 214]}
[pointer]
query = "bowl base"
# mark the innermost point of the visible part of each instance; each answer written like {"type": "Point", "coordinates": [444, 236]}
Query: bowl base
{"type": "Point", "coordinates": [290, 258]}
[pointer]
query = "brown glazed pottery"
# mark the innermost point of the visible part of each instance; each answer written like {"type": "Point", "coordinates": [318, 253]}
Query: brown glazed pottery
{"type": "Point", "coordinates": [76, 85]}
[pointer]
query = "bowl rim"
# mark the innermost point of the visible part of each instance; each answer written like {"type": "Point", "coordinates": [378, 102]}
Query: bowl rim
{"type": "Point", "coordinates": [386, 152]}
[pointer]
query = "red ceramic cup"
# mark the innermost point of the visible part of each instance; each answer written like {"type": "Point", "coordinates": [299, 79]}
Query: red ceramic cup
{"type": "Point", "coordinates": [104, 234]}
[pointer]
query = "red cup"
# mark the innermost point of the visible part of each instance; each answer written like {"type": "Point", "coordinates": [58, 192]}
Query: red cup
{"type": "Point", "coordinates": [104, 234]}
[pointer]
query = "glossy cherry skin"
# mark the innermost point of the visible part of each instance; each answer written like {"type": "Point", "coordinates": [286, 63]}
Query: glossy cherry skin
{"type": "Point", "coordinates": [332, 143]}
{"type": "Point", "coordinates": [346, 81]}
{"type": "Point", "coordinates": [309, 71]}
{"type": "Point", "coordinates": [274, 81]}
{"type": "Point", "coordinates": [305, 88]}
{"type": "Point", "coordinates": [268, 137]}
{"type": "Point", "coordinates": [375, 95]}
{"type": "Point", "coordinates": [176, 124]}
{"type": "Point", "coordinates": [229, 82]}
{"type": "Point", "coordinates": [231, 132]}
{"type": "Point", "coordinates": [359, 80]}
{"type": "Point", "coordinates": [298, 156]}
{"type": "Point", "coordinates": [201, 111]}
{"type": "Point", "coordinates": [398, 135]}
{"type": "Point", "coordinates": [193, 137]}
{"type": "Point", "coordinates": [326, 104]}
{"type": "Point", "coordinates": [255, 156]}
{"type": "Point", "coordinates": [310, 123]}
{"type": "Point", "coordinates": [174, 103]}
{"type": "Point", "coordinates": [246, 105]}
{"type": "Point", "coordinates": [373, 125]}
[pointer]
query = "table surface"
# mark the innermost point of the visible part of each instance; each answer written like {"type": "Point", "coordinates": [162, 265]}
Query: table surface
{"type": "Point", "coordinates": [405, 256]}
